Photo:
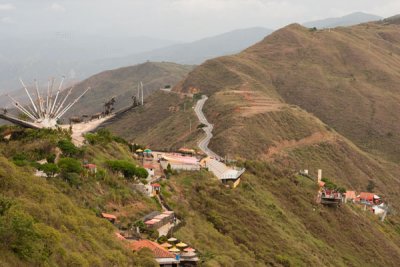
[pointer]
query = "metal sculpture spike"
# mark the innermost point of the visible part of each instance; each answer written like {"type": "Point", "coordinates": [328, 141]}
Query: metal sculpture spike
{"type": "Point", "coordinates": [44, 112]}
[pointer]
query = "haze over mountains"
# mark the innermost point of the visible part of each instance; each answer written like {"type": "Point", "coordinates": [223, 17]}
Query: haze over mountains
{"type": "Point", "coordinates": [79, 56]}
{"type": "Point", "coordinates": [348, 20]}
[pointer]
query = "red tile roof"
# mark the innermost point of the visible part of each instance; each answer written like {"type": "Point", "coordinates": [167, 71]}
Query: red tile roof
{"type": "Point", "coordinates": [155, 185]}
{"type": "Point", "coordinates": [108, 216]}
{"type": "Point", "coordinates": [367, 196]}
{"type": "Point", "coordinates": [158, 250]}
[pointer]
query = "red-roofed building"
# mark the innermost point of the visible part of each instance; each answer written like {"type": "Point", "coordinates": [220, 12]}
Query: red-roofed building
{"type": "Point", "coordinates": [366, 197]}
{"type": "Point", "coordinates": [161, 255]}
{"type": "Point", "coordinates": [110, 217]}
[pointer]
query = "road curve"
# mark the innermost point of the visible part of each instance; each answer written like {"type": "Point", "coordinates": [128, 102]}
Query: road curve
{"type": "Point", "coordinates": [203, 144]}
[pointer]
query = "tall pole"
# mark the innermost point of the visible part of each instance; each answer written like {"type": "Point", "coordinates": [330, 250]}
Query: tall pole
{"type": "Point", "coordinates": [141, 85]}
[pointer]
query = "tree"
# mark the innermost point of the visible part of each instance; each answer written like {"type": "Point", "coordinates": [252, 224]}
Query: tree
{"type": "Point", "coordinates": [127, 168]}
{"type": "Point", "coordinates": [73, 179]}
{"type": "Point", "coordinates": [50, 169]}
{"type": "Point", "coordinates": [70, 165]}
{"type": "Point", "coordinates": [51, 158]}
{"type": "Point", "coordinates": [141, 173]}
{"type": "Point", "coordinates": [68, 148]}
{"type": "Point", "coordinates": [370, 186]}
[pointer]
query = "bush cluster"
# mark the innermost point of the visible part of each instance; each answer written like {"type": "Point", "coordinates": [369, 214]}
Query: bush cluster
{"type": "Point", "coordinates": [128, 169]}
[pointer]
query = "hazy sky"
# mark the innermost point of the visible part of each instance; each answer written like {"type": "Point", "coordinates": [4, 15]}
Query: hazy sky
{"type": "Point", "coordinates": [173, 19]}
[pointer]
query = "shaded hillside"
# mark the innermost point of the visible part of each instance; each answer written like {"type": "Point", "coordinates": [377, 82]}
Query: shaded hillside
{"type": "Point", "coordinates": [122, 84]}
{"type": "Point", "coordinates": [164, 122]}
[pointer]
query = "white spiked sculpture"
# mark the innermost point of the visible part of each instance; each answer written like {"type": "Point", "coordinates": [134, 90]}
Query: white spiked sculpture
{"type": "Point", "coordinates": [45, 111]}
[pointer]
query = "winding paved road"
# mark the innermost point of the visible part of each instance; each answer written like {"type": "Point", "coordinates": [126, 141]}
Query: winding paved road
{"type": "Point", "coordinates": [203, 144]}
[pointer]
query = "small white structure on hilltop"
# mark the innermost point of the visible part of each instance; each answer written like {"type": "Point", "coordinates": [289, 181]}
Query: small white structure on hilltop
{"type": "Point", "coordinates": [45, 110]}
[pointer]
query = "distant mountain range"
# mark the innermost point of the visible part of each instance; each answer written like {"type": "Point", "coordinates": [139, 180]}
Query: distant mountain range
{"type": "Point", "coordinates": [348, 20]}
{"type": "Point", "coordinates": [198, 51]}
{"type": "Point", "coordinates": [79, 57]}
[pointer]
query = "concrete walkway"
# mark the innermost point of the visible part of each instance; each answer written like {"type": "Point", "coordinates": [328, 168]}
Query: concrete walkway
{"type": "Point", "coordinates": [203, 144]}
{"type": "Point", "coordinates": [79, 129]}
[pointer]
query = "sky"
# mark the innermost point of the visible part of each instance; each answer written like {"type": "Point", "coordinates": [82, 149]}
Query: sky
{"type": "Point", "coordinates": [180, 20]}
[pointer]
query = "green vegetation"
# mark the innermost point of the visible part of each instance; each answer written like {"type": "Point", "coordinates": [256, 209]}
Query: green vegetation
{"type": "Point", "coordinates": [50, 169]}
{"type": "Point", "coordinates": [128, 169]}
{"type": "Point", "coordinates": [53, 222]}
{"type": "Point", "coordinates": [272, 219]}
{"type": "Point", "coordinates": [68, 148]}
{"type": "Point", "coordinates": [70, 165]}
{"type": "Point", "coordinates": [331, 185]}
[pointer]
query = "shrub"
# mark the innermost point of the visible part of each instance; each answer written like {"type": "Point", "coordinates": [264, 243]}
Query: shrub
{"type": "Point", "coordinates": [70, 165]}
{"type": "Point", "coordinates": [5, 204]}
{"type": "Point", "coordinates": [68, 148]}
{"type": "Point", "coordinates": [51, 158]}
{"type": "Point", "coordinates": [50, 169]}
{"type": "Point", "coordinates": [128, 169]}
{"type": "Point", "coordinates": [201, 126]}
{"type": "Point", "coordinates": [73, 179]}
{"type": "Point", "coordinates": [141, 173]}
{"type": "Point", "coordinates": [370, 186]}
{"type": "Point", "coordinates": [27, 239]}
{"type": "Point", "coordinates": [102, 136]}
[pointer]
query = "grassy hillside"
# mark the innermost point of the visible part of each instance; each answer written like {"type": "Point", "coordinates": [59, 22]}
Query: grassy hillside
{"type": "Point", "coordinates": [300, 99]}
{"type": "Point", "coordinates": [54, 221]}
{"type": "Point", "coordinates": [347, 77]}
{"type": "Point", "coordinates": [272, 219]}
{"type": "Point", "coordinates": [122, 84]}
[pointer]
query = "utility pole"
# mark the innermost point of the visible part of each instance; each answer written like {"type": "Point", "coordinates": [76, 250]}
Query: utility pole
{"type": "Point", "coordinates": [141, 85]}
{"type": "Point", "coordinates": [190, 125]}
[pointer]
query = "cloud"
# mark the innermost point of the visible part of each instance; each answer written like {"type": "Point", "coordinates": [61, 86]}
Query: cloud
{"type": "Point", "coordinates": [57, 7]}
{"type": "Point", "coordinates": [4, 7]}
